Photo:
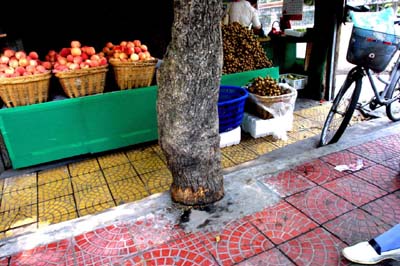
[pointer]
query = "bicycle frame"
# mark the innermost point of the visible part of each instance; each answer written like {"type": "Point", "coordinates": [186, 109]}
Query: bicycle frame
{"type": "Point", "coordinates": [381, 97]}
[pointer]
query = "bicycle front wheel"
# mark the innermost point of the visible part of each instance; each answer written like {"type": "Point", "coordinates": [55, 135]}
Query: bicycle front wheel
{"type": "Point", "coordinates": [393, 109]}
{"type": "Point", "coordinates": [341, 112]}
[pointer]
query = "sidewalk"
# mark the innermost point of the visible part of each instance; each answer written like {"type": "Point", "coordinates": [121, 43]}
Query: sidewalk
{"type": "Point", "coordinates": [289, 207]}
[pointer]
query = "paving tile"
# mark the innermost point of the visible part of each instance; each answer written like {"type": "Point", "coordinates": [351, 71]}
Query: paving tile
{"type": "Point", "coordinates": [374, 152]}
{"type": "Point", "coordinates": [272, 257]}
{"type": "Point", "coordinates": [149, 164]}
{"type": "Point", "coordinates": [19, 183]}
{"type": "Point", "coordinates": [88, 181]}
{"type": "Point", "coordinates": [157, 181]}
{"type": "Point", "coordinates": [154, 229]}
{"type": "Point", "coordinates": [52, 190]}
{"type": "Point", "coordinates": [301, 134]}
{"type": "Point", "coordinates": [18, 198]}
{"type": "Point", "coordinates": [51, 175]}
{"type": "Point", "coordinates": [113, 159]}
{"type": "Point", "coordinates": [119, 172]}
{"type": "Point", "coordinates": [318, 171]}
{"type": "Point", "coordinates": [287, 183]}
{"type": "Point", "coordinates": [18, 217]}
{"type": "Point", "coordinates": [262, 148]}
{"type": "Point", "coordinates": [94, 209]}
{"type": "Point", "coordinates": [320, 204]}
{"type": "Point", "coordinates": [301, 123]}
{"type": "Point", "coordinates": [57, 210]}
{"type": "Point", "coordinates": [239, 153]}
{"type": "Point", "coordinates": [237, 241]}
{"type": "Point", "coordinates": [58, 253]}
{"type": "Point", "coordinates": [92, 197]}
{"type": "Point", "coordinates": [189, 250]}
{"type": "Point", "coordinates": [355, 226]}
{"type": "Point", "coordinates": [354, 189]}
{"type": "Point", "coordinates": [128, 190]}
{"type": "Point", "coordinates": [317, 247]}
{"type": "Point", "coordinates": [280, 143]}
{"type": "Point", "coordinates": [104, 246]}
{"type": "Point", "coordinates": [140, 153]}
{"type": "Point", "coordinates": [391, 142]}
{"type": "Point", "coordinates": [386, 208]}
{"type": "Point", "coordinates": [345, 158]}
{"type": "Point", "coordinates": [4, 261]}
{"type": "Point", "coordinates": [83, 167]}
{"type": "Point", "coordinates": [381, 176]}
{"type": "Point", "coordinates": [226, 162]}
{"type": "Point", "coordinates": [393, 164]}
{"type": "Point", "coordinates": [281, 222]}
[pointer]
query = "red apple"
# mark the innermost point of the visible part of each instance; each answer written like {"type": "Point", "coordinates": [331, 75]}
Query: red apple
{"type": "Point", "coordinates": [23, 62]}
{"type": "Point", "coordinates": [9, 71]}
{"type": "Point", "coordinates": [109, 45]}
{"type": "Point", "coordinates": [70, 58]}
{"type": "Point", "coordinates": [21, 70]}
{"type": "Point", "coordinates": [75, 44]}
{"type": "Point", "coordinates": [84, 56]}
{"type": "Point", "coordinates": [20, 54]}
{"type": "Point", "coordinates": [33, 55]}
{"type": "Point", "coordinates": [46, 64]}
{"type": "Point", "coordinates": [103, 61]}
{"type": "Point", "coordinates": [90, 50]}
{"type": "Point", "coordinates": [13, 63]}
{"type": "Point", "coordinates": [137, 43]}
{"type": "Point", "coordinates": [143, 47]}
{"type": "Point", "coordinates": [33, 63]}
{"type": "Point", "coordinates": [134, 57]}
{"type": "Point", "coordinates": [4, 59]}
{"type": "Point", "coordinates": [65, 51]}
{"type": "Point", "coordinates": [76, 51]}
{"type": "Point", "coordinates": [77, 60]}
{"type": "Point", "coordinates": [9, 53]}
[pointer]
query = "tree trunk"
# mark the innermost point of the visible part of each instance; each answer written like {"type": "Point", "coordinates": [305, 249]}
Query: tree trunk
{"type": "Point", "coordinates": [188, 87]}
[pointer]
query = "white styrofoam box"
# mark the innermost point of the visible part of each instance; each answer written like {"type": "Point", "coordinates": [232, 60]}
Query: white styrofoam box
{"type": "Point", "coordinates": [230, 138]}
{"type": "Point", "coordinates": [258, 127]}
{"type": "Point", "coordinates": [298, 81]}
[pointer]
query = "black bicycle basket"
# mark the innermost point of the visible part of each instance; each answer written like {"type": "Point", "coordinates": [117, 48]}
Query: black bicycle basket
{"type": "Point", "coordinates": [371, 49]}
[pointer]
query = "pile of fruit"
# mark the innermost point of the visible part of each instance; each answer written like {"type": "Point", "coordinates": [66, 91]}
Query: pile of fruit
{"type": "Point", "coordinates": [242, 50]}
{"type": "Point", "coordinates": [75, 57]}
{"type": "Point", "coordinates": [19, 63]}
{"type": "Point", "coordinates": [127, 51]}
{"type": "Point", "coordinates": [265, 87]}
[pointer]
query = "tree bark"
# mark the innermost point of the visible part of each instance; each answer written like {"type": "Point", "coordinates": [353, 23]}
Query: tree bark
{"type": "Point", "coordinates": [188, 87]}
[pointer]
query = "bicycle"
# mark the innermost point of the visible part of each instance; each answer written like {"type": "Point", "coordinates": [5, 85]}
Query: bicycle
{"type": "Point", "coordinates": [371, 52]}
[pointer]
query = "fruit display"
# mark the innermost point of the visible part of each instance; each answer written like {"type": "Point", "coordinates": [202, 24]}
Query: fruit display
{"type": "Point", "coordinates": [127, 51]}
{"type": "Point", "coordinates": [266, 87]}
{"type": "Point", "coordinates": [76, 57]}
{"type": "Point", "coordinates": [242, 50]}
{"type": "Point", "coordinates": [20, 63]}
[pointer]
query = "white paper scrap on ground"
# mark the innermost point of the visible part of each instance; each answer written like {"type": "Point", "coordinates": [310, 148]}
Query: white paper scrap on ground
{"type": "Point", "coordinates": [351, 167]}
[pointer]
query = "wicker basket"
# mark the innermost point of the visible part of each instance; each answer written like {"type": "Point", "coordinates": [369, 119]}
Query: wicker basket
{"type": "Point", "coordinates": [25, 90]}
{"type": "Point", "coordinates": [83, 82]}
{"type": "Point", "coordinates": [133, 74]}
{"type": "Point", "coordinates": [267, 107]}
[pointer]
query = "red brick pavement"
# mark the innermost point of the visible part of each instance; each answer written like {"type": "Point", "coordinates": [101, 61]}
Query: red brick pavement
{"type": "Point", "coordinates": [321, 211]}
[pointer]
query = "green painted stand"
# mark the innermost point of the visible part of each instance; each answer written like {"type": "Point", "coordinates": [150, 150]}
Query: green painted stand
{"type": "Point", "coordinates": [59, 129]}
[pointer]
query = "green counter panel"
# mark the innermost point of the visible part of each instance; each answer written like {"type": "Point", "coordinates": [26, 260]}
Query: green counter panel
{"type": "Point", "coordinates": [65, 128]}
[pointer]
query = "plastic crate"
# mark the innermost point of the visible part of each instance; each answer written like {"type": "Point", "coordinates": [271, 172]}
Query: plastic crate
{"type": "Point", "coordinates": [231, 103]}
{"type": "Point", "coordinates": [297, 81]}
{"type": "Point", "coordinates": [371, 49]}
